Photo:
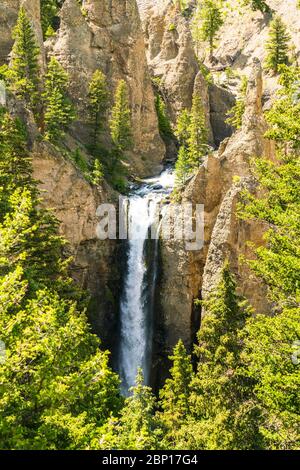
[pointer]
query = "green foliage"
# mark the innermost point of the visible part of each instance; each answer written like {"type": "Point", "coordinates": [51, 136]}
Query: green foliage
{"type": "Point", "coordinates": [49, 13]}
{"type": "Point", "coordinates": [24, 71]}
{"type": "Point", "coordinates": [80, 161]}
{"type": "Point", "coordinates": [59, 112]}
{"type": "Point", "coordinates": [191, 133]}
{"type": "Point", "coordinates": [197, 141]}
{"type": "Point", "coordinates": [136, 427]}
{"type": "Point", "coordinates": [15, 164]}
{"type": "Point", "coordinates": [121, 134]}
{"type": "Point", "coordinates": [223, 411]}
{"type": "Point", "coordinates": [182, 131]}
{"type": "Point", "coordinates": [120, 123]}
{"type": "Point", "coordinates": [182, 166]}
{"type": "Point", "coordinates": [164, 124]}
{"type": "Point", "coordinates": [57, 390]}
{"type": "Point", "coordinates": [174, 396]}
{"type": "Point", "coordinates": [260, 5]}
{"type": "Point", "coordinates": [207, 21]}
{"type": "Point", "coordinates": [172, 27]}
{"type": "Point", "coordinates": [277, 46]}
{"type": "Point", "coordinates": [98, 102]}
{"type": "Point", "coordinates": [269, 345]}
{"type": "Point", "coordinates": [50, 32]}
{"type": "Point", "coordinates": [97, 172]}
{"type": "Point", "coordinates": [206, 73]}
{"type": "Point", "coordinates": [278, 263]}
{"type": "Point", "coordinates": [284, 116]}
{"type": "Point", "coordinates": [270, 339]}
{"type": "Point", "coordinates": [237, 111]}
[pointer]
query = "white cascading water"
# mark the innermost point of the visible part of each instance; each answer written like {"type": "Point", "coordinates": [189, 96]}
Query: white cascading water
{"type": "Point", "coordinates": [136, 328]}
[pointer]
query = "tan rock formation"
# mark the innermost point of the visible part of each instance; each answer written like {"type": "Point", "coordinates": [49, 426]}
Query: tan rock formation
{"type": "Point", "coordinates": [74, 202]}
{"type": "Point", "coordinates": [108, 35]}
{"type": "Point", "coordinates": [172, 59]}
{"type": "Point", "coordinates": [170, 51]}
{"type": "Point", "coordinates": [188, 275]}
{"type": "Point", "coordinates": [8, 17]}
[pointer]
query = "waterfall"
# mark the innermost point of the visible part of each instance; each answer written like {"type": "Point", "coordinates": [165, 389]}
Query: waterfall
{"type": "Point", "coordinates": [137, 297]}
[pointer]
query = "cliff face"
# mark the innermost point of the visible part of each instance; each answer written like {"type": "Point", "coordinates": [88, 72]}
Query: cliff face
{"type": "Point", "coordinates": [170, 52]}
{"type": "Point", "coordinates": [244, 37]}
{"type": "Point", "coordinates": [107, 35]}
{"type": "Point", "coordinates": [190, 275]}
{"type": "Point", "coordinates": [8, 17]}
{"type": "Point", "coordinates": [172, 59]}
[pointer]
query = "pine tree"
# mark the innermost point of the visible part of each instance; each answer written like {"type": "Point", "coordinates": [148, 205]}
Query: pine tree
{"type": "Point", "coordinates": [24, 73]}
{"type": "Point", "coordinates": [56, 387]}
{"type": "Point", "coordinates": [164, 125]}
{"type": "Point", "coordinates": [59, 112]}
{"type": "Point", "coordinates": [15, 164]}
{"type": "Point", "coordinates": [49, 12]}
{"type": "Point", "coordinates": [260, 5]}
{"type": "Point", "coordinates": [236, 113]}
{"type": "Point", "coordinates": [277, 46]}
{"type": "Point", "coordinates": [197, 141]}
{"type": "Point", "coordinates": [120, 123]}
{"type": "Point", "coordinates": [98, 102]}
{"type": "Point", "coordinates": [182, 166]}
{"type": "Point", "coordinates": [270, 338]}
{"type": "Point", "coordinates": [284, 116]}
{"type": "Point", "coordinates": [191, 133]}
{"type": "Point", "coordinates": [57, 390]}
{"type": "Point", "coordinates": [97, 172]}
{"type": "Point", "coordinates": [121, 134]}
{"type": "Point", "coordinates": [174, 396]}
{"type": "Point", "coordinates": [224, 414]}
{"type": "Point", "coordinates": [211, 18]}
{"type": "Point", "coordinates": [136, 429]}
{"type": "Point", "coordinates": [182, 131]}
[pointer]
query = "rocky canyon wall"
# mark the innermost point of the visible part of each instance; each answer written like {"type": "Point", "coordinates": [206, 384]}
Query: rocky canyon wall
{"type": "Point", "coordinates": [102, 34]}
{"type": "Point", "coordinates": [107, 35]}
{"type": "Point", "coordinates": [188, 275]}
{"type": "Point", "coordinates": [172, 60]}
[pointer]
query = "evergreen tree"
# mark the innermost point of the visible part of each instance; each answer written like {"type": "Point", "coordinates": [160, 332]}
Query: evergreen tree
{"type": "Point", "coordinates": [49, 13]}
{"type": "Point", "coordinates": [15, 164]}
{"type": "Point", "coordinates": [260, 5]}
{"type": "Point", "coordinates": [174, 397]}
{"type": "Point", "coordinates": [97, 172]}
{"type": "Point", "coordinates": [56, 387]}
{"type": "Point", "coordinates": [121, 134]}
{"type": "Point", "coordinates": [270, 338]}
{"type": "Point", "coordinates": [57, 390]}
{"type": "Point", "coordinates": [164, 125]}
{"type": "Point", "coordinates": [136, 429]}
{"type": "Point", "coordinates": [277, 46]}
{"type": "Point", "coordinates": [182, 131]}
{"type": "Point", "coordinates": [191, 133]}
{"type": "Point", "coordinates": [24, 72]}
{"type": "Point", "coordinates": [211, 18]}
{"type": "Point", "coordinates": [98, 102]}
{"type": "Point", "coordinates": [59, 112]}
{"type": "Point", "coordinates": [182, 166]}
{"type": "Point", "coordinates": [223, 412]}
{"type": "Point", "coordinates": [120, 123]}
{"type": "Point", "coordinates": [197, 141]}
{"type": "Point", "coordinates": [236, 113]}
{"type": "Point", "coordinates": [284, 116]}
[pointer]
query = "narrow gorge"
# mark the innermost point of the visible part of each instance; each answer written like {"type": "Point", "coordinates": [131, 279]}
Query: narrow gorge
{"type": "Point", "coordinates": [145, 106]}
